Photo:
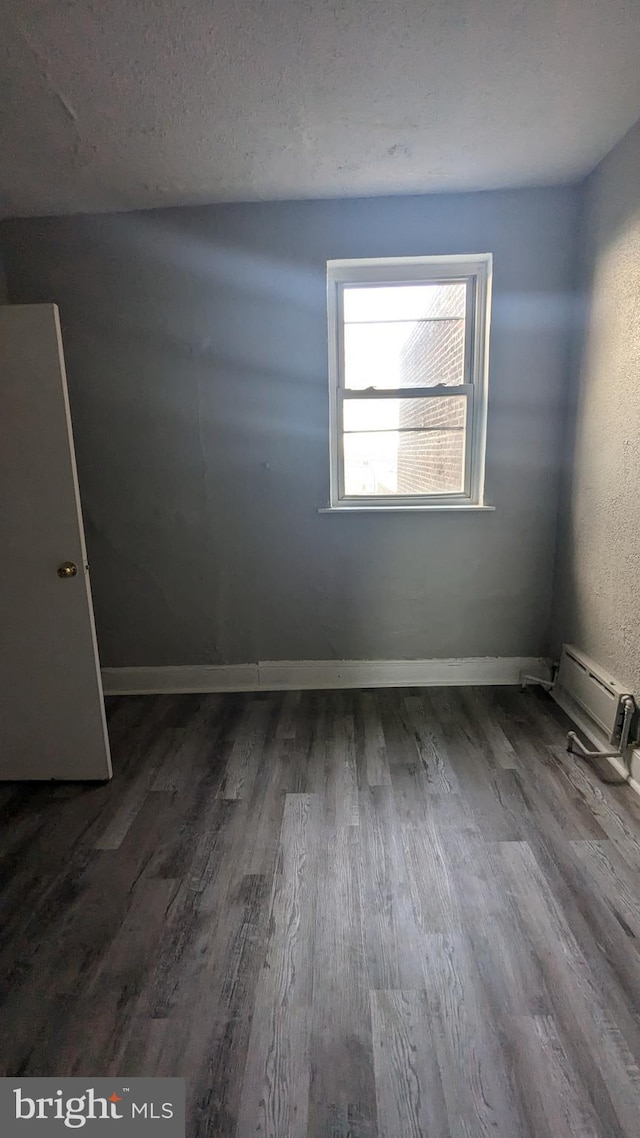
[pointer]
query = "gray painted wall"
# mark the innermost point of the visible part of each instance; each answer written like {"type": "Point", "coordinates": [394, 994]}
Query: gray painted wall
{"type": "Point", "coordinates": [196, 350]}
{"type": "Point", "coordinates": [597, 603]}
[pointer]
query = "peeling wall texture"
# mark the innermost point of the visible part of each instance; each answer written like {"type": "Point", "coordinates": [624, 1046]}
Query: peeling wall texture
{"type": "Point", "coordinates": [196, 349]}
{"type": "Point", "coordinates": [597, 595]}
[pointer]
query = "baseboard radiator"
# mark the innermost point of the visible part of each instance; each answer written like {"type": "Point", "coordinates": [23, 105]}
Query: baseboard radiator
{"type": "Point", "coordinates": [598, 705]}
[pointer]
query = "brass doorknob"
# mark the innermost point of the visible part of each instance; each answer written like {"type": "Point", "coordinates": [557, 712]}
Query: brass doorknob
{"type": "Point", "coordinates": [67, 569]}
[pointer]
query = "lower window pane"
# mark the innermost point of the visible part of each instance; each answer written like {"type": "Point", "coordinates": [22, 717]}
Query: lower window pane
{"type": "Point", "coordinates": [403, 462]}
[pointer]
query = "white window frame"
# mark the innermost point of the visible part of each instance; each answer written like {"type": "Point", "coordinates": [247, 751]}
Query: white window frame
{"type": "Point", "coordinates": [477, 270]}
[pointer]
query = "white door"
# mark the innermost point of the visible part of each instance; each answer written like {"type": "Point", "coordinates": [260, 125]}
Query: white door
{"type": "Point", "coordinates": [52, 722]}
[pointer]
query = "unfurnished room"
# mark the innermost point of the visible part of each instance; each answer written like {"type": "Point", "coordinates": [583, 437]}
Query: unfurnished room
{"type": "Point", "coordinates": [319, 573]}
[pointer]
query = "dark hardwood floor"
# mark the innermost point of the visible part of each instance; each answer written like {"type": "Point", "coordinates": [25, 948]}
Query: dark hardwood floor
{"type": "Point", "coordinates": [338, 914]}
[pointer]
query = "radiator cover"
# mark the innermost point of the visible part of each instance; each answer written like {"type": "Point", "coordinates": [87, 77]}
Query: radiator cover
{"type": "Point", "coordinates": [589, 695]}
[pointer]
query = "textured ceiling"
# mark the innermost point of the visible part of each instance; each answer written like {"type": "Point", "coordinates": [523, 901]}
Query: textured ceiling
{"type": "Point", "coordinates": [120, 104]}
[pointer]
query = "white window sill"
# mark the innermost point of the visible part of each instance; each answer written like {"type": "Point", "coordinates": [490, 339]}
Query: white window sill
{"type": "Point", "coordinates": [404, 509]}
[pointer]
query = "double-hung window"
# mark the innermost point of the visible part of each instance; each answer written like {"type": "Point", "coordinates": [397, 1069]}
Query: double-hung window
{"type": "Point", "coordinates": [408, 350]}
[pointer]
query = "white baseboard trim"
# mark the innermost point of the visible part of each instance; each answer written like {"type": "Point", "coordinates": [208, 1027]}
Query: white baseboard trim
{"type": "Point", "coordinates": [630, 773]}
{"type": "Point", "coordinates": [295, 675]}
{"type": "Point", "coordinates": [634, 770]}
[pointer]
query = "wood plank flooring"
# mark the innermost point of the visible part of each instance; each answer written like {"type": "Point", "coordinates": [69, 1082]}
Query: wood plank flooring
{"type": "Point", "coordinates": [362, 914]}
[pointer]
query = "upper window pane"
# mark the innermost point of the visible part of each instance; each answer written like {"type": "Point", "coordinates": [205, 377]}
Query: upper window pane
{"type": "Point", "coordinates": [404, 335]}
{"type": "Point", "coordinates": [404, 301]}
{"type": "Point", "coordinates": [412, 354]}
